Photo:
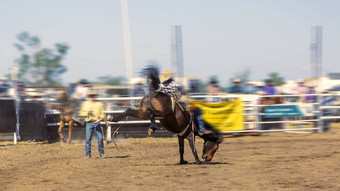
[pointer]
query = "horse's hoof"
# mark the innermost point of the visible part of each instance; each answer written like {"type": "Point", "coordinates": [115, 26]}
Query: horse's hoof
{"type": "Point", "coordinates": [110, 118]}
{"type": "Point", "coordinates": [68, 142]}
{"type": "Point", "coordinates": [63, 140]}
{"type": "Point", "coordinates": [183, 162]}
{"type": "Point", "coordinates": [199, 162]}
{"type": "Point", "coordinates": [150, 132]}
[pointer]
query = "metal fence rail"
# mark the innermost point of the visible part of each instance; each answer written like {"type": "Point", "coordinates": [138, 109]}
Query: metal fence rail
{"type": "Point", "coordinates": [254, 120]}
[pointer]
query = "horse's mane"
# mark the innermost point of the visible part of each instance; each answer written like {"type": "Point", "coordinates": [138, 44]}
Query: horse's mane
{"type": "Point", "coordinates": [153, 79]}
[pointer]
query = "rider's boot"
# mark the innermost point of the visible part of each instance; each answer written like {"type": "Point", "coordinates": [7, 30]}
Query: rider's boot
{"type": "Point", "coordinates": [201, 129]}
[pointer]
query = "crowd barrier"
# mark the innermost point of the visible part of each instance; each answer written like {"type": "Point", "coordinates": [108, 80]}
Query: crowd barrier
{"type": "Point", "coordinates": [7, 115]}
{"type": "Point", "coordinates": [288, 114]}
{"type": "Point", "coordinates": [258, 117]}
{"type": "Point", "coordinates": [32, 121]}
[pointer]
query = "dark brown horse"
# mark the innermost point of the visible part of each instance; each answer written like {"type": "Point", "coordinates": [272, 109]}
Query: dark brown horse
{"type": "Point", "coordinates": [175, 118]}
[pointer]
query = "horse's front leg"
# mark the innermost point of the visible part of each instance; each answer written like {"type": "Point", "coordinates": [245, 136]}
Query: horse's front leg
{"type": "Point", "coordinates": [70, 127]}
{"type": "Point", "coordinates": [61, 126]}
{"type": "Point", "coordinates": [128, 112]}
{"type": "Point", "coordinates": [181, 150]}
{"type": "Point", "coordinates": [191, 139]}
{"type": "Point", "coordinates": [153, 126]}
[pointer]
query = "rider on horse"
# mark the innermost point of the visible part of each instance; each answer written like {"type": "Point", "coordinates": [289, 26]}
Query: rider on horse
{"type": "Point", "coordinates": [175, 90]}
{"type": "Point", "coordinates": [169, 86]}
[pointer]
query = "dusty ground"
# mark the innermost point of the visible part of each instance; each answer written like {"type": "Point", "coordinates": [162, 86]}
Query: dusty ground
{"type": "Point", "coordinates": [279, 161]}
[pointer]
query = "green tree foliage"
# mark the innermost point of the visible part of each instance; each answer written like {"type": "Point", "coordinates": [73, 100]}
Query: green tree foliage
{"type": "Point", "coordinates": [37, 65]}
{"type": "Point", "coordinates": [276, 79]}
{"type": "Point", "coordinates": [110, 80]}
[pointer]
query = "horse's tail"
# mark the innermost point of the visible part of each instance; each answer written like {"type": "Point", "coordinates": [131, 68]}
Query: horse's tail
{"type": "Point", "coordinates": [153, 79]}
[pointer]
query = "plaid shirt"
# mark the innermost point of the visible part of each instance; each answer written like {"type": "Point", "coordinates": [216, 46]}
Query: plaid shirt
{"type": "Point", "coordinates": [173, 88]}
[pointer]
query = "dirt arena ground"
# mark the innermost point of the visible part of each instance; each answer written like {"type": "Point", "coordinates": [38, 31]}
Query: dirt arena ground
{"type": "Point", "coordinates": [279, 161]}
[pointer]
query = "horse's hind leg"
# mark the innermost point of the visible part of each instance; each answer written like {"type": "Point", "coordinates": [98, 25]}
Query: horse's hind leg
{"type": "Point", "coordinates": [61, 126]}
{"type": "Point", "coordinates": [181, 150]}
{"type": "Point", "coordinates": [191, 139]}
{"type": "Point", "coordinates": [70, 124]}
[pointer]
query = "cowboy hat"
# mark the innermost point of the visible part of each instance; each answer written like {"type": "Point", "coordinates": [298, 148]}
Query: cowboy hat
{"type": "Point", "coordinates": [325, 91]}
{"type": "Point", "coordinates": [261, 93]}
{"type": "Point", "coordinates": [237, 80]}
{"type": "Point", "coordinates": [92, 93]}
{"type": "Point", "coordinates": [167, 74]}
{"type": "Point", "coordinates": [34, 94]}
{"type": "Point", "coordinates": [300, 81]}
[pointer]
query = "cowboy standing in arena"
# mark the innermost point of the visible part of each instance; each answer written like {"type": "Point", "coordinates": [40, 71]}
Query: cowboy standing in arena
{"type": "Point", "coordinates": [94, 113]}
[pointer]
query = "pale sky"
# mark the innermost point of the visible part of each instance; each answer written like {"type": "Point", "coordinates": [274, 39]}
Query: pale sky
{"type": "Point", "coordinates": [220, 37]}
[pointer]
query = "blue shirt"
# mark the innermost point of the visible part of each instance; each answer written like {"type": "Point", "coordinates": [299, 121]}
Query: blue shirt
{"type": "Point", "coordinates": [270, 90]}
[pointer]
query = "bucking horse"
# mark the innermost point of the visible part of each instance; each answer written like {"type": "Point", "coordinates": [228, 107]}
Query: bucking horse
{"type": "Point", "coordinates": [173, 116]}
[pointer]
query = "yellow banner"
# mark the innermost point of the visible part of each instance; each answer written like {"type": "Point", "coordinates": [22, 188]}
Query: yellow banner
{"type": "Point", "coordinates": [226, 116]}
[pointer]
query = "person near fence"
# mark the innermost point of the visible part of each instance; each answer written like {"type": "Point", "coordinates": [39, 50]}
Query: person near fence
{"type": "Point", "coordinates": [269, 88]}
{"type": "Point", "coordinates": [327, 100]}
{"type": "Point", "coordinates": [213, 87]}
{"type": "Point", "coordinates": [250, 88]}
{"type": "Point", "coordinates": [300, 89]}
{"type": "Point", "coordinates": [4, 87]}
{"type": "Point", "coordinates": [310, 98]}
{"type": "Point", "coordinates": [237, 87]}
{"type": "Point", "coordinates": [93, 111]}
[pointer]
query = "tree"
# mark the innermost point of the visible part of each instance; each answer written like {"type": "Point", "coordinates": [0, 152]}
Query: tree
{"type": "Point", "coordinates": [110, 80]}
{"type": "Point", "coordinates": [37, 65]}
{"type": "Point", "coordinates": [276, 79]}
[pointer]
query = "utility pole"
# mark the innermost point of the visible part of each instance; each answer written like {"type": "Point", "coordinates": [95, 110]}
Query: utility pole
{"type": "Point", "coordinates": [177, 50]}
{"type": "Point", "coordinates": [127, 42]}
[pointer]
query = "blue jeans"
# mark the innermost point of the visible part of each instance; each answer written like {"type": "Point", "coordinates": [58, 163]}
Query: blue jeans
{"type": "Point", "coordinates": [90, 127]}
{"type": "Point", "coordinates": [199, 120]}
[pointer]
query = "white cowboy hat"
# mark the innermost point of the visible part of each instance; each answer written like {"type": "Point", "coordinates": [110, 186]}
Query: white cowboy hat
{"type": "Point", "coordinates": [237, 80]}
{"type": "Point", "coordinates": [92, 93]}
{"type": "Point", "coordinates": [167, 74]}
{"type": "Point", "coordinates": [325, 91]}
{"type": "Point", "coordinates": [34, 94]}
{"type": "Point", "coordinates": [300, 81]}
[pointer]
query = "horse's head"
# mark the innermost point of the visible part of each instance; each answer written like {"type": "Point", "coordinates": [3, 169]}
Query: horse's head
{"type": "Point", "coordinates": [210, 146]}
{"type": "Point", "coordinates": [61, 96]}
